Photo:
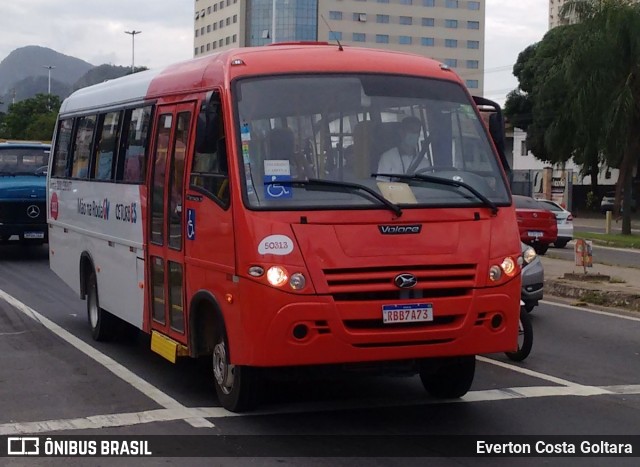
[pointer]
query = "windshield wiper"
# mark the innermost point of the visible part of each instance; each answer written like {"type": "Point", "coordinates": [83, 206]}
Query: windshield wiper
{"type": "Point", "coordinates": [343, 187]}
{"type": "Point", "coordinates": [443, 181]}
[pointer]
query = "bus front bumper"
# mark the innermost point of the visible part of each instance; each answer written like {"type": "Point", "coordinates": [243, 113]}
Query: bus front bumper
{"type": "Point", "coordinates": [321, 331]}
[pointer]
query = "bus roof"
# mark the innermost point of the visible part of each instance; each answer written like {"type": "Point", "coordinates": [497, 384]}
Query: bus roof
{"type": "Point", "coordinates": [213, 70]}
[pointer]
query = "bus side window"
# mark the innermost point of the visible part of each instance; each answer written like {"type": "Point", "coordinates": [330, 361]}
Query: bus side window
{"type": "Point", "coordinates": [209, 170]}
{"type": "Point", "coordinates": [134, 152]}
{"type": "Point", "coordinates": [60, 162]}
{"type": "Point", "coordinates": [82, 147]}
{"type": "Point", "coordinates": [106, 146]}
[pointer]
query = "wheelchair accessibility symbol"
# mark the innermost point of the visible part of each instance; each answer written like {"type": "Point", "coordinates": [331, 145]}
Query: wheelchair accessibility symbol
{"type": "Point", "coordinates": [276, 187]}
{"type": "Point", "coordinates": [191, 224]}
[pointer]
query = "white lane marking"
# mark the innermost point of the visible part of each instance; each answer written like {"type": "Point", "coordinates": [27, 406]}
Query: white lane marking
{"type": "Point", "coordinates": [110, 420]}
{"type": "Point", "coordinates": [120, 371]}
{"type": "Point", "coordinates": [628, 389]}
{"type": "Point", "coordinates": [12, 333]}
{"type": "Point", "coordinates": [526, 371]}
{"type": "Point", "coordinates": [165, 415]}
{"type": "Point", "coordinates": [595, 312]}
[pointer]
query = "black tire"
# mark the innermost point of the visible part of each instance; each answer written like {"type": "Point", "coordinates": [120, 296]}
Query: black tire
{"type": "Point", "coordinates": [448, 378]}
{"type": "Point", "coordinates": [541, 249]}
{"type": "Point", "coordinates": [525, 338]}
{"type": "Point", "coordinates": [102, 322]}
{"type": "Point", "coordinates": [561, 243]}
{"type": "Point", "coordinates": [236, 386]}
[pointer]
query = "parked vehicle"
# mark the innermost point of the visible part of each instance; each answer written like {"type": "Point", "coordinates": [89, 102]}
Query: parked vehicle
{"type": "Point", "coordinates": [564, 220]}
{"type": "Point", "coordinates": [609, 199]}
{"type": "Point", "coordinates": [537, 224]}
{"type": "Point", "coordinates": [23, 213]}
{"type": "Point", "coordinates": [532, 278]}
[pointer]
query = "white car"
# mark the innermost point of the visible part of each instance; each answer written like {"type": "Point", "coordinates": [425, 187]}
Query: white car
{"type": "Point", "coordinates": [564, 220]}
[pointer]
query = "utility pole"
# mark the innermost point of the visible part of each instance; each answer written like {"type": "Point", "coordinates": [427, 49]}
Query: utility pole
{"type": "Point", "coordinates": [133, 47]}
{"type": "Point", "coordinates": [49, 68]}
{"type": "Point", "coordinates": [273, 22]}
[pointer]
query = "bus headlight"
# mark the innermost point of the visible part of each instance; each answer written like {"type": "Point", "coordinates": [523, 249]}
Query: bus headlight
{"type": "Point", "coordinates": [508, 265]}
{"type": "Point", "coordinates": [495, 273]}
{"type": "Point", "coordinates": [297, 281]}
{"type": "Point", "coordinates": [277, 276]}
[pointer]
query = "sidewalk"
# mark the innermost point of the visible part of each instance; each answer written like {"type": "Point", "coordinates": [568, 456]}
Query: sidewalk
{"type": "Point", "coordinates": [611, 286]}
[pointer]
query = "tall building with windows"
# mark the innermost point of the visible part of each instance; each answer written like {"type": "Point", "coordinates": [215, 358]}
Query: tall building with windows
{"type": "Point", "coordinates": [450, 31]}
{"type": "Point", "coordinates": [554, 14]}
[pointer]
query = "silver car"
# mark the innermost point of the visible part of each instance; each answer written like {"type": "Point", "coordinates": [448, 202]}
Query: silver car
{"type": "Point", "coordinates": [564, 219]}
{"type": "Point", "coordinates": [532, 278]}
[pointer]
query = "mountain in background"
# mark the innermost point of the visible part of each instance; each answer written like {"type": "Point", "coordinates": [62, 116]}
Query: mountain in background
{"type": "Point", "coordinates": [23, 74]}
{"type": "Point", "coordinates": [30, 62]}
{"type": "Point", "coordinates": [100, 74]}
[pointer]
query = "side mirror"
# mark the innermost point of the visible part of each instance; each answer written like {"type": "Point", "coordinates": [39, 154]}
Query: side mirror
{"type": "Point", "coordinates": [492, 116]}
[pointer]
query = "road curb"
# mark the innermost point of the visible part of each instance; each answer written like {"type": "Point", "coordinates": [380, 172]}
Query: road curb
{"type": "Point", "coordinates": [592, 294]}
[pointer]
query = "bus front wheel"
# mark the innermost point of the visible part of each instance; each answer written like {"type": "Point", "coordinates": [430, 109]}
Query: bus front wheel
{"type": "Point", "coordinates": [101, 321]}
{"type": "Point", "coordinates": [236, 385]}
{"type": "Point", "coordinates": [447, 378]}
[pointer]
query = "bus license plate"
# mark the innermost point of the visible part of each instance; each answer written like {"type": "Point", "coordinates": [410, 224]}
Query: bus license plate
{"type": "Point", "coordinates": [536, 234]}
{"type": "Point", "coordinates": [409, 313]}
{"type": "Point", "coordinates": [33, 235]}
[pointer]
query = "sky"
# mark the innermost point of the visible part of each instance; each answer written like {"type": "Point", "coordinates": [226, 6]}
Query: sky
{"type": "Point", "coordinates": [94, 31]}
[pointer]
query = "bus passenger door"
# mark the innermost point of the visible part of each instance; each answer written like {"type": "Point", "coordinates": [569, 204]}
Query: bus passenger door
{"type": "Point", "coordinates": [166, 218]}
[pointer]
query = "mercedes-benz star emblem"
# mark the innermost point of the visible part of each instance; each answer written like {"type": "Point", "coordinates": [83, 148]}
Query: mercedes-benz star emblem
{"type": "Point", "coordinates": [33, 211]}
{"type": "Point", "coordinates": [405, 281]}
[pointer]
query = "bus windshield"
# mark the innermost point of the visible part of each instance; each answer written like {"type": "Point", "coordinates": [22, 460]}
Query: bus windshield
{"type": "Point", "coordinates": [361, 129]}
{"type": "Point", "coordinates": [23, 161]}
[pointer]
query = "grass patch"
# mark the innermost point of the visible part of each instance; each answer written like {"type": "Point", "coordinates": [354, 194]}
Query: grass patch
{"type": "Point", "coordinates": [615, 240]}
{"type": "Point", "coordinates": [594, 297]}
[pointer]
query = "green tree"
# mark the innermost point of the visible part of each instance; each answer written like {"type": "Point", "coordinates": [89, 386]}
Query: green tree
{"type": "Point", "coordinates": [31, 118]}
{"type": "Point", "coordinates": [539, 105]}
{"type": "Point", "coordinates": [604, 67]}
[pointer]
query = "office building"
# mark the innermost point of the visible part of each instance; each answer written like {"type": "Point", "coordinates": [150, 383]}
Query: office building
{"type": "Point", "coordinates": [554, 14]}
{"type": "Point", "coordinates": [450, 31]}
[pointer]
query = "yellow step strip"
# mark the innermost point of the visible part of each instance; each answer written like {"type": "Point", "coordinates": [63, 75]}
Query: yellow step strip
{"type": "Point", "coordinates": [167, 347]}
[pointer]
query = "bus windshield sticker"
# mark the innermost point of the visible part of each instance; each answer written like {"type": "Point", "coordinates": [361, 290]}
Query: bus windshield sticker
{"type": "Point", "coordinates": [277, 167]}
{"type": "Point", "coordinates": [277, 187]}
{"type": "Point", "coordinates": [275, 245]}
{"type": "Point", "coordinates": [245, 135]}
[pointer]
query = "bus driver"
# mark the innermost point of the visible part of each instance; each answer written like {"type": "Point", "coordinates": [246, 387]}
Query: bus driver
{"type": "Point", "coordinates": [405, 158]}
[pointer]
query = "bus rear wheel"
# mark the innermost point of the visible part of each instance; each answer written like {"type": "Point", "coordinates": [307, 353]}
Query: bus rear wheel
{"type": "Point", "coordinates": [236, 385]}
{"type": "Point", "coordinates": [102, 322]}
{"type": "Point", "coordinates": [447, 378]}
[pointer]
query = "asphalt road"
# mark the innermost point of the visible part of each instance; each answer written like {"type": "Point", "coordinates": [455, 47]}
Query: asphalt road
{"type": "Point", "coordinates": [582, 378]}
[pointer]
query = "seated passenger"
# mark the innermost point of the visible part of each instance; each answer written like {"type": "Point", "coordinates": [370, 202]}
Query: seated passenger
{"type": "Point", "coordinates": [405, 158]}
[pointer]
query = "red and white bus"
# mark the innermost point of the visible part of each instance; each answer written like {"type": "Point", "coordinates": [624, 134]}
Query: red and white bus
{"type": "Point", "coordinates": [232, 206]}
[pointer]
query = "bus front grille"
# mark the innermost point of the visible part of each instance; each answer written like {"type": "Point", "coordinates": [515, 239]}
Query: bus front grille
{"type": "Point", "coordinates": [23, 212]}
{"type": "Point", "coordinates": [378, 283]}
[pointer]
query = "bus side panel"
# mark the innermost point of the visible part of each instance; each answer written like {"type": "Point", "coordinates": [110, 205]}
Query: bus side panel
{"type": "Point", "coordinates": [104, 221]}
{"type": "Point", "coordinates": [63, 256]}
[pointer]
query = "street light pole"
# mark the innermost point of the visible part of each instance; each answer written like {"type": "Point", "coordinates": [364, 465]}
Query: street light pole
{"type": "Point", "coordinates": [273, 22]}
{"type": "Point", "coordinates": [49, 68]}
{"type": "Point", "coordinates": [133, 47]}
